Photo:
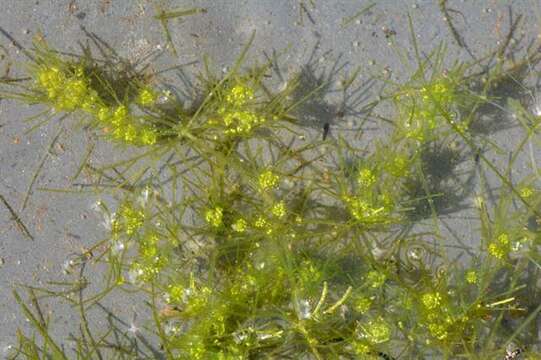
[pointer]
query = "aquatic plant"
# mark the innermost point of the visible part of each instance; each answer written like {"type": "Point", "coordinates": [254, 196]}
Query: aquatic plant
{"type": "Point", "coordinates": [251, 242]}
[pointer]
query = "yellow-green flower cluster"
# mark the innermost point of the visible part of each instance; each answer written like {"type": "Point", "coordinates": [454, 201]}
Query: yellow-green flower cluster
{"type": "Point", "coordinates": [128, 220]}
{"type": "Point", "coordinates": [214, 217]}
{"type": "Point", "coordinates": [239, 95]}
{"type": "Point", "coordinates": [422, 107]}
{"type": "Point", "coordinates": [148, 247]}
{"type": "Point", "coordinates": [240, 225]}
{"type": "Point", "coordinates": [366, 212]}
{"type": "Point", "coordinates": [438, 330]}
{"type": "Point", "coordinates": [366, 177]}
{"type": "Point", "coordinates": [362, 349]}
{"type": "Point", "coordinates": [376, 279]}
{"type": "Point", "coordinates": [236, 116]}
{"type": "Point", "coordinates": [471, 277]}
{"type": "Point", "coordinates": [310, 275]}
{"type": "Point", "coordinates": [279, 209]}
{"type": "Point", "coordinates": [176, 294]}
{"type": "Point", "coordinates": [197, 300]}
{"type": "Point", "coordinates": [193, 299]}
{"type": "Point", "coordinates": [239, 122]}
{"type": "Point", "coordinates": [268, 180]}
{"type": "Point", "coordinates": [376, 331]}
{"type": "Point", "coordinates": [123, 126]}
{"type": "Point", "coordinates": [147, 97]}
{"type": "Point", "coordinates": [150, 261]}
{"type": "Point", "coordinates": [362, 304]}
{"type": "Point", "coordinates": [398, 165]}
{"type": "Point", "coordinates": [66, 91]}
{"type": "Point", "coordinates": [500, 247]}
{"type": "Point", "coordinates": [439, 318]}
{"type": "Point", "coordinates": [263, 224]}
{"type": "Point", "coordinates": [526, 192]}
{"type": "Point", "coordinates": [141, 272]}
{"type": "Point", "coordinates": [69, 90]}
{"type": "Point", "coordinates": [441, 91]}
{"type": "Point", "coordinates": [431, 301]}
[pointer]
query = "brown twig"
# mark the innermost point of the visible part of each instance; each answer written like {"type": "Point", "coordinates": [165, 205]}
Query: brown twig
{"type": "Point", "coordinates": [459, 40]}
{"type": "Point", "coordinates": [16, 218]}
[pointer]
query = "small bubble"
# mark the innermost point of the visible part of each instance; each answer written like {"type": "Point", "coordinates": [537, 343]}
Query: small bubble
{"type": "Point", "coordinates": [536, 108]}
{"type": "Point", "coordinates": [239, 337]}
{"type": "Point", "coordinates": [415, 253]}
{"type": "Point", "coordinates": [173, 328]}
{"type": "Point", "coordinates": [517, 245]}
{"type": "Point", "coordinates": [304, 309]}
{"type": "Point", "coordinates": [68, 265]}
{"type": "Point", "coordinates": [378, 252]}
{"type": "Point", "coordinates": [118, 247]}
{"type": "Point", "coordinates": [133, 329]}
{"type": "Point", "coordinates": [7, 349]}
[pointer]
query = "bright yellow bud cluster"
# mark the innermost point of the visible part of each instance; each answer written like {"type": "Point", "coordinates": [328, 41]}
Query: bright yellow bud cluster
{"type": "Point", "coordinates": [526, 192]}
{"type": "Point", "coordinates": [366, 177]}
{"type": "Point", "coordinates": [240, 226]}
{"type": "Point", "coordinates": [425, 107]}
{"type": "Point", "coordinates": [438, 330]}
{"type": "Point", "coordinates": [124, 127]}
{"type": "Point", "coordinates": [376, 279]}
{"type": "Point", "coordinates": [440, 317]}
{"type": "Point", "coordinates": [364, 211]}
{"type": "Point", "coordinates": [268, 180]}
{"type": "Point", "coordinates": [214, 216]}
{"type": "Point", "coordinates": [175, 294]}
{"type": "Point", "coordinates": [375, 331]}
{"type": "Point", "coordinates": [147, 97]}
{"type": "Point", "coordinates": [237, 118]}
{"type": "Point", "coordinates": [129, 220]}
{"type": "Point", "coordinates": [70, 91]}
{"type": "Point", "coordinates": [500, 247]}
{"type": "Point", "coordinates": [240, 122]}
{"type": "Point", "coordinates": [262, 223]}
{"type": "Point", "coordinates": [440, 92]}
{"type": "Point", "coordinates": [239, 95]}
{"type": "Point", "coordinates": [361, 349]}
{"type": "Point", "coordinates": [363, 304]}
{"type": "Point", "coordinates": [65, 91]}
{"type": "Point", "coordinates": [148, 248]}
{"type": "Point", "coordinates": [431, 300]}
{"type": "Point", "coordinates": [279, 209]}
{"type": "Point", "coordinates": [140, 273]}
{"type": "Point", "coordinates": [471, 277]}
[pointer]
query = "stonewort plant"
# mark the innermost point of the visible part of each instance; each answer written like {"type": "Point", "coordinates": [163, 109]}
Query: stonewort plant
{"type": "Point", "coordinates": [253, 242]}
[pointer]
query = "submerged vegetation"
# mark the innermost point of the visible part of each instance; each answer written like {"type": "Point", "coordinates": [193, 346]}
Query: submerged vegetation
{"type": "Point", "coordinates": [252, 238]}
